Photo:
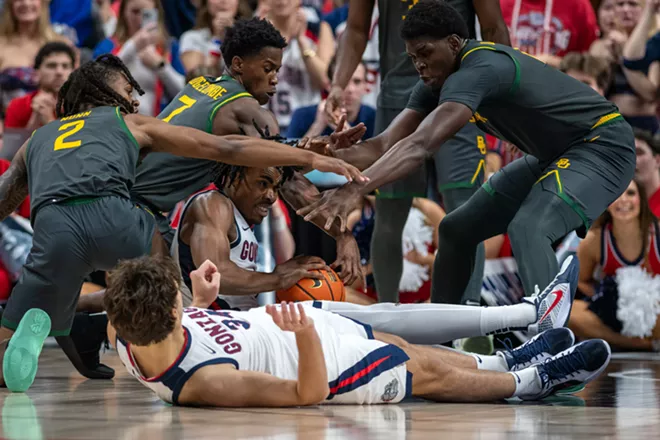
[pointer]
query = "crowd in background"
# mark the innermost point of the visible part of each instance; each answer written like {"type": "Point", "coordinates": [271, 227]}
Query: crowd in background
{"type": "Point", "coordinates": [611, 45]}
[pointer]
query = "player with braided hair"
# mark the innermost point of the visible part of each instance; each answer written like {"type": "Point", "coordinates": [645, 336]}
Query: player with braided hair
{"type": "Point", "coordinates": [79, 169]}
{"type": "Point", "coordinates": [232, 104]}
{"type": "Point", "coordinates": [216, 225]}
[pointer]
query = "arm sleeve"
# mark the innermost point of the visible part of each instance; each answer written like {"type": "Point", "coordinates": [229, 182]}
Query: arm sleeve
{"type": "Point", "coordinates": [652, 54]}
{"type": "Point", "coordinates": [423, 99]}
{"type": "Point", "coordinates": [483, 74]}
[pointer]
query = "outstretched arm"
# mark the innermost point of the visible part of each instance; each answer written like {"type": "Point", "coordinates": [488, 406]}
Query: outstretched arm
{"type": "Point", "coordinates": [492, 24]}
{"type": "Point", "coordinates": [14, 184]}
{"type": "Point", "coordinates": [364, 154]}
{"type": "Point", "coordinates": [156, 135]}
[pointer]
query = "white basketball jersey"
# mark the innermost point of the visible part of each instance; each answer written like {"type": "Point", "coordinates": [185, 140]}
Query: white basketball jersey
{"type": "Point", "coordinates": [243, 252]}
{"type": "Point", "coordinates": [360, 369]}
{"type": "Point", "coordinates": [294, 87]}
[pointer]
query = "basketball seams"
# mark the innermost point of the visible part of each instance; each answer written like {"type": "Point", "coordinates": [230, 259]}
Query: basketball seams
{"type": "Point", "coordinates": [306, 292]}
{"type": "Point", "coordinates": [327, 281]}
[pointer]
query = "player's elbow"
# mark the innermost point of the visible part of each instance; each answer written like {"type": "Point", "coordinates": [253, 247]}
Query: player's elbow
{"type": "Point", "coordinates": [313, 395]}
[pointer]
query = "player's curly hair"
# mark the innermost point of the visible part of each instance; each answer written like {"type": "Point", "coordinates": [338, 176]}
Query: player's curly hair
{"type": "Point", "coordinates": [140, 297]}
{"type": "Point", "coordinates": [225, 175]}
{"type": "Point", "coordinates": [435, 19]}
{"type": "Point", "coordinates": [87, 87]}
{"type": "Point", "coordinates": [248, 37]}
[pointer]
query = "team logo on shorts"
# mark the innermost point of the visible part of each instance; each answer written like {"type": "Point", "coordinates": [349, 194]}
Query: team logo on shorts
{"type": "Point", "coordinates": [391, 391]}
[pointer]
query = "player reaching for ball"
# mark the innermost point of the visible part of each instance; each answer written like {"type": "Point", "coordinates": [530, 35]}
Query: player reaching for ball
{"type": "Point", "coordinates": [297, 355]}
{"type": "Point", "coordinates": [216, 225]}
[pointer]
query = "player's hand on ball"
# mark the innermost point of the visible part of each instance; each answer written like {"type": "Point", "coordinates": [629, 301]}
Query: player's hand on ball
{"type": "Point", "coordinates": [294, 270]}
{"type": "Point", "coordinates": [290, 317]}
{"type": "Point", "coordinates": [205, 282]}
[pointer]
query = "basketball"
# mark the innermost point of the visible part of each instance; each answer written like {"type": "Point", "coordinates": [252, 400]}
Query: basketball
{"type": "Point", "coordinates": [329, 288]}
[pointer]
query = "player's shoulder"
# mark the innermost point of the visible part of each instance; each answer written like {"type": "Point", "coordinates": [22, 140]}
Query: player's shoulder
{"type": "Point", "coordinates": [212, 205]}
{"type": "Point", "coordinates": [482, 53]}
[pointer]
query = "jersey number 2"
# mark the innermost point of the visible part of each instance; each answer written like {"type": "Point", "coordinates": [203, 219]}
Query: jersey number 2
{"type": "Point", "coordinates": [187, 103]}
{"type": "Point", "coordinates": [71, 129]}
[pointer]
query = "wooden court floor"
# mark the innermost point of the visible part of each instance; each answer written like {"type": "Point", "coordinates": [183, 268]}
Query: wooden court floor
{"type": "Point", "coordinates": [624, 403]}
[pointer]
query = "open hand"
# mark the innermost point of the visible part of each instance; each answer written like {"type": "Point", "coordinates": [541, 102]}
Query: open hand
{"type": "Point", "coordinates": [348, 259]}
{"type": "Point", "coordinates": [294, 270]}
{"type": "Point", "coordinates": [344, 138]}
{"type": "Point", "coordinates": [334, 107]}
{"type": "Point", "coordinates": [288, 318]}
{"type": "Point", "coordinates": [333, 204]}
{"type": "Point", "coordinates": [205, 282]}
{"type": "Point", "coordinates": [337, 166]}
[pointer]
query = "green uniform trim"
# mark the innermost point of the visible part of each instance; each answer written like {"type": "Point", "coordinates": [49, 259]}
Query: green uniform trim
{"type": "Point", "coordinates": [209, 128]}
{"type": "Point", "coordinates": [455, 185]}
{"type": "Point", "coordinates": [607, 119]}
{"type": "Point", "coordinates": [489, 189]}
{"type": "Point", "coordinates": [566, 198]}
{"type": "Point", "coordinates": [80, 200]}
{"type": "Point", "coordinates": [123, 125]}
{"type": "Point", "coordinates": [486, 45]}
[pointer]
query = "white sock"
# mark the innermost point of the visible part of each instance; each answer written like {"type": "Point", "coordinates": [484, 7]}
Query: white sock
{"type": "Point", "coordinates": [435, 323]}
{"type": "Point", "coordinates": [490, 363]}
{"type": "Point", "coordinates": [528, 383]}
{"type": "Point", "coordinates": [426, 324]}
{"type": "Point", "coordinates": [503, 317]}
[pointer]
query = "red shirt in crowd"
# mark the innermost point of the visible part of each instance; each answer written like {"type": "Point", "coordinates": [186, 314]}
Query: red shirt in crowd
{"type": "Point", "coordinates": [654, 203]}
{"type": "Point", "coordinates": [554, 27]}
{"type": "Point", "coordinates": [19, 112]}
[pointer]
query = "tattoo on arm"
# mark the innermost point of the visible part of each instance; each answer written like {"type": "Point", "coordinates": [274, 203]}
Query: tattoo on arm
{"type": "Point", "coordinates": [13, 186]}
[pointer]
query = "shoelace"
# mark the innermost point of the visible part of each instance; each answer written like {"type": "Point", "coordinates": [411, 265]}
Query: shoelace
{"type": "Point", "coordinates": [562, 367]}
{"type": "Point", "coordinates": [524, 353]}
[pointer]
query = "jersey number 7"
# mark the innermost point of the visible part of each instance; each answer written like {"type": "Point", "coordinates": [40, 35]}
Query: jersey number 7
{"type": "Point", "coordinates": [71, 128]}
{"type": "Point", "coordinates": [187, 103]}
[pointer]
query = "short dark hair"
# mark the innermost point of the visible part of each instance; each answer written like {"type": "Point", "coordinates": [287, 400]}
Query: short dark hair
{"type": "Point", "coordinates": [140, 297]}
{"type": "Point", "coordinates": [596, 67]}
{"type": "Point", "coordinates": [249, 37]}
{"type": "Point", "coordinates": [51, 48]}
{"type": "Point", "coordinates": [435, 19]}
{"type": "Point", "coordinates": [653, 140]}
{"type": "Point", "coordinates": [87, 87]}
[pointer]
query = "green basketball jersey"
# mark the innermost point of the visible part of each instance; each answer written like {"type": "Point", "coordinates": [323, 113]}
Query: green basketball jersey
{"type": "Point", "coordinates": [90, 154]}
{"type": "Point", "coordinates": [397, 72]}
{"type": "Point", "coordinates": [163, 179]}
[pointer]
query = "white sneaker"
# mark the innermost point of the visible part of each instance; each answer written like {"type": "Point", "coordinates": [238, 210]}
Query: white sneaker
{"type": "Point", "coordinates": [553, 305]}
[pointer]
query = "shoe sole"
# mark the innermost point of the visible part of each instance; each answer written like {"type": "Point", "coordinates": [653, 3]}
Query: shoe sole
{"type": "Point", "coordinates": [19, 366]}
{"type": "Point", "coordinates": [571, 387]}
{"type": "Point", "coordinates": [479, 344]}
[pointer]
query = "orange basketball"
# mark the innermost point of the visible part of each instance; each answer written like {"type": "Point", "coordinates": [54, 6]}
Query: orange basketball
{"type": "Point", "coordinates": [329, 288]}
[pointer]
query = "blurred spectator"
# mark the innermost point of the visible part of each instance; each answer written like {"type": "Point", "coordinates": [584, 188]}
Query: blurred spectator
{"type": "Point", "coordinates": [630, 90]}
{"type": "Point", "coordinates": [24, 28]}
{"type": "Point", "coordinates": [53, 65]}
{"type": "Point", "coordinates": [200, 47]}
{"type": "Point", "coordinates": [179, 15]}
{"type": "Point", "coordinates": [107, 17]}
{"type": "Point", "coordinates": [143, 44]}
{"type": "Point", "coordinates": [549, 29]}
{"type": "Point", "coordinates": [79, 20]}
{"type": "Point", "coordinates": [420, 242]}
{"type": "Point", "coordinates": [625, 235]}
{"type": "Point", "coordinates": [305, 60]}
{"type": "Point", "coordinates": [606, 16]}
{"type": "Point", "coordinates": [371, 57]}
{"type": "Point", "coordinates": [593, 71]}
{"type": "Point", "coordinates": [647, 170]}
{"type": "Point", "coordinates": [312, 121]}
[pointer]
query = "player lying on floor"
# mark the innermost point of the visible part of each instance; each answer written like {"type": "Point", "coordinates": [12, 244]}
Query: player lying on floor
{"type": "Point", "coordinates": [292, 356]}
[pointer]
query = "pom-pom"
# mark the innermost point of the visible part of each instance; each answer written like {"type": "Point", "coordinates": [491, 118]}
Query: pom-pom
{"type": "Point", "coordinates": [639, 301]}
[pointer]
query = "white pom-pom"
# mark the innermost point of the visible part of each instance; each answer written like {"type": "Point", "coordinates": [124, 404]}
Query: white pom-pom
{"type": "Point", "coordinates": [417, 235]}
{"type": "Point", "coordinates": [413, 277]}
{"type": "Point", "coordinates": [639, 301]}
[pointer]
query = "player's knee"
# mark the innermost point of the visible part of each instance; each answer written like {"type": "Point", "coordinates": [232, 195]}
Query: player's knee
{"type": "Point", "coordinates": [527, 227]}
{"type": "Point", "coordinates": [452, 230]}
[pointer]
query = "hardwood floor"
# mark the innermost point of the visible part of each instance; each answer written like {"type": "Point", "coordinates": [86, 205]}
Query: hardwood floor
{"type": "Point", "coordinates": [624, 403]}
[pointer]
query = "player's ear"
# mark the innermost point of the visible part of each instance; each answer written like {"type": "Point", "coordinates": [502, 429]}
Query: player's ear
{"type": "Point", "coordinates": [237, 65]}
{"type": "Point", "coordinates": [455, 43]}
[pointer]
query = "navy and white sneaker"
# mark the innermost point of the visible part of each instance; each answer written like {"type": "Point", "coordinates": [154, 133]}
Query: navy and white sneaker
{"type": "Point", "coordinates": [538, 349]}
{"type": "Point", "coordinates": [578, 365]}
{"type": "Point", "coordinates": [553, 305]}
